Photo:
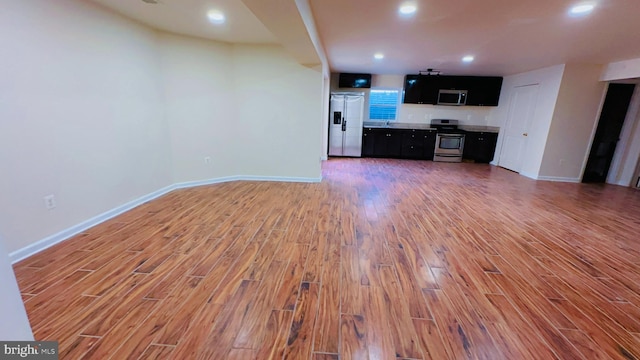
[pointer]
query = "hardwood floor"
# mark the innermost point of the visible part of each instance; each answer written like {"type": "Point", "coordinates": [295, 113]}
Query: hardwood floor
{"type": "Point", "coordinates": [384, 259]}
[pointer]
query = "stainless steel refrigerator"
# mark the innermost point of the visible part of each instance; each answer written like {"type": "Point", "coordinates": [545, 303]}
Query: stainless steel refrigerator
{"type": "Point", "coordinates": [346, 115]}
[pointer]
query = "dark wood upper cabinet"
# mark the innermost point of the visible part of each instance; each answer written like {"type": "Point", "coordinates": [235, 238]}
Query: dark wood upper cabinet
{"type": "Point", "coordinates": [421, 89]}
{"type": "Point", "coordinates": [452, 82]}
{"type": "Point", "coordinates": [412, 89]}
{"type": "Point", "coordinates": [481, 90]}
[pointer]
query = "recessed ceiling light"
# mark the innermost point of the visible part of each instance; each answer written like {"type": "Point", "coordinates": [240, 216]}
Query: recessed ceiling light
{"type": "Point", "coordinates": [407, 8]}
{"type": "Point", "coordinates": [582, 9]}
{"type": "Point", "coordinates": [468, 59]}
{"type": "Point", "coordinates": [379, 56]}
{"type": "Point", "coordinates": [216, 17]}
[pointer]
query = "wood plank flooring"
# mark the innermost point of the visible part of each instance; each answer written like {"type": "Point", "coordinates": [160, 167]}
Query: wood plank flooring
{"type": "Point", "coordinates": [384, 259]}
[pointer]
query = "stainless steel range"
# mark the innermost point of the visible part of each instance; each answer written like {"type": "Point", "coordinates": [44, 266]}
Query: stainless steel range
{"type": "Point", "coordinates": [449, 140]}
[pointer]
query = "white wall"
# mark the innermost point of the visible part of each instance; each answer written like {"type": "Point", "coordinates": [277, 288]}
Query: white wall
{"type": "Point", "coordinates": [627, 69]}
{"type": "Point", "coordinates": [304, 10]}
{"type": "Point", "coordinates": [250, 108]}
{"type": "Point", "coordinates": [279, 111]}
{"type": "Point", "coordinates": [549, 80]}
{"type": "Point", "coordinates": [575, 117]}
{"type": "Point", "coordinates": [81, 115]}
{"type": "Point", "coordinates": [199, 98]}
{"type": "Point", "coordinates": [324, 126]}
{"type": "Point", "coordinates": [565, 119]}
{"type": "Point", "coordinates": [101, 111]}
{"type": "Point", "coordinates": [13, 316]}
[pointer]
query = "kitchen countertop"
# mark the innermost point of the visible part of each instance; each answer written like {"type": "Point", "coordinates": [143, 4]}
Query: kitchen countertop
{"type": "Point", "coordinates": [479, 128]}
{"type": "Point", "coordinates": [395, 125]}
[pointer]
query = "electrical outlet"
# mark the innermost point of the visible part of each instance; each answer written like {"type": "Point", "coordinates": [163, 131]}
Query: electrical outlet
{"type": "Point", "coordinates": [50, 202]}
{"type": "Point", "coordinates": [207, 160]}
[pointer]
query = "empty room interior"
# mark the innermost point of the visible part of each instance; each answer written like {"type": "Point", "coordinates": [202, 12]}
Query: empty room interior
{"type": "Point", "coordinates": [321, 179]}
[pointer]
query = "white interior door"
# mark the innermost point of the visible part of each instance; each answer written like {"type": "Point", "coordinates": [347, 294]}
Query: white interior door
{"type": "Point", "coordinates": [354, 105]}
{"type": "Point", "coordinates": [336, 117]}
{"type": "Point", "coordinates": [519, 119]}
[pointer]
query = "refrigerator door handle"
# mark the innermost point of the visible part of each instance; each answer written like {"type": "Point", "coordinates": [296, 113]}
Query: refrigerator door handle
{"type": "Point", "coordinates": [344, 125]}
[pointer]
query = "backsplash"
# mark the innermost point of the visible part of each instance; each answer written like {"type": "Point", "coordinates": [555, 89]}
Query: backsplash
{"type": "Point", "coordinates": [422, 114]}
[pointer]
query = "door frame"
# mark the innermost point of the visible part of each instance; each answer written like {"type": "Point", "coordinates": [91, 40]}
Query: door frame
{"type": "Point", "coordinates": [635, 180]}
{"type": "Point", "coordinates": [619, 171]}
{"type": "Point", "coordinates": [620, 151]}
{"type": "Point", "coordinates": [594, 129]}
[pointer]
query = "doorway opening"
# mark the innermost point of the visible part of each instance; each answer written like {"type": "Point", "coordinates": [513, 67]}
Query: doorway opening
{"type": "Point", "coordinates": [614, 112]}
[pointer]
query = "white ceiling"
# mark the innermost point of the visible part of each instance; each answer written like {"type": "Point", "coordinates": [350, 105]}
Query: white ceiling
{"type": "Point", "coordinates": [189, 17]}
{"type": "Point", "coordinates": [505, 36]}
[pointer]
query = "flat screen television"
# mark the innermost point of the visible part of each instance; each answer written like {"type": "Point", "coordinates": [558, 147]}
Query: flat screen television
{"type": "Point", "coordinates": [347, 80]}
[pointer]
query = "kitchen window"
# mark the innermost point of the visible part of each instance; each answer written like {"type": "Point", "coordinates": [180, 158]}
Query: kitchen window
{"type": "Point", "coordinates": [383, 104]}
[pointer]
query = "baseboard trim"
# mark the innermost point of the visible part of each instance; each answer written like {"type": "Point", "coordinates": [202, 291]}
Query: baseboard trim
{"type": "Point", "coordinates": [559, 179]}
{"type": "Point", "coordinates": [65, 234]}
{"type": "Point", "coordinates": [190, 184]}
{"type": "Point", "coordinates": [280, 179]}
{"type": "Point", "coordinates": [530, 176]}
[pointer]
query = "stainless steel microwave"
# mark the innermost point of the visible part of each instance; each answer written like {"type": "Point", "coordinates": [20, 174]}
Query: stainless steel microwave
{"type": "Point", "coordinates": [452, 97]}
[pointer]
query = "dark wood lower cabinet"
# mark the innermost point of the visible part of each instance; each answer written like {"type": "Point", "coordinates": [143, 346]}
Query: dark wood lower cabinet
{"type": "Point", "coordinates": [429, 144]}
{"type": "Point", "coordinates": [398, 143]}
{"type": "Point", "coordinates": [368, 142]}
{"type": "Point", "coordinates": [479, 146]}
{"type": "Point", "coordinates": [381, 142]}
{"type": "Point", "coordinates": [412, 144]}
{"type": "Point", "coordinates": [420, 144]}
{"type": "Point", "coordinates": [387, 143]}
